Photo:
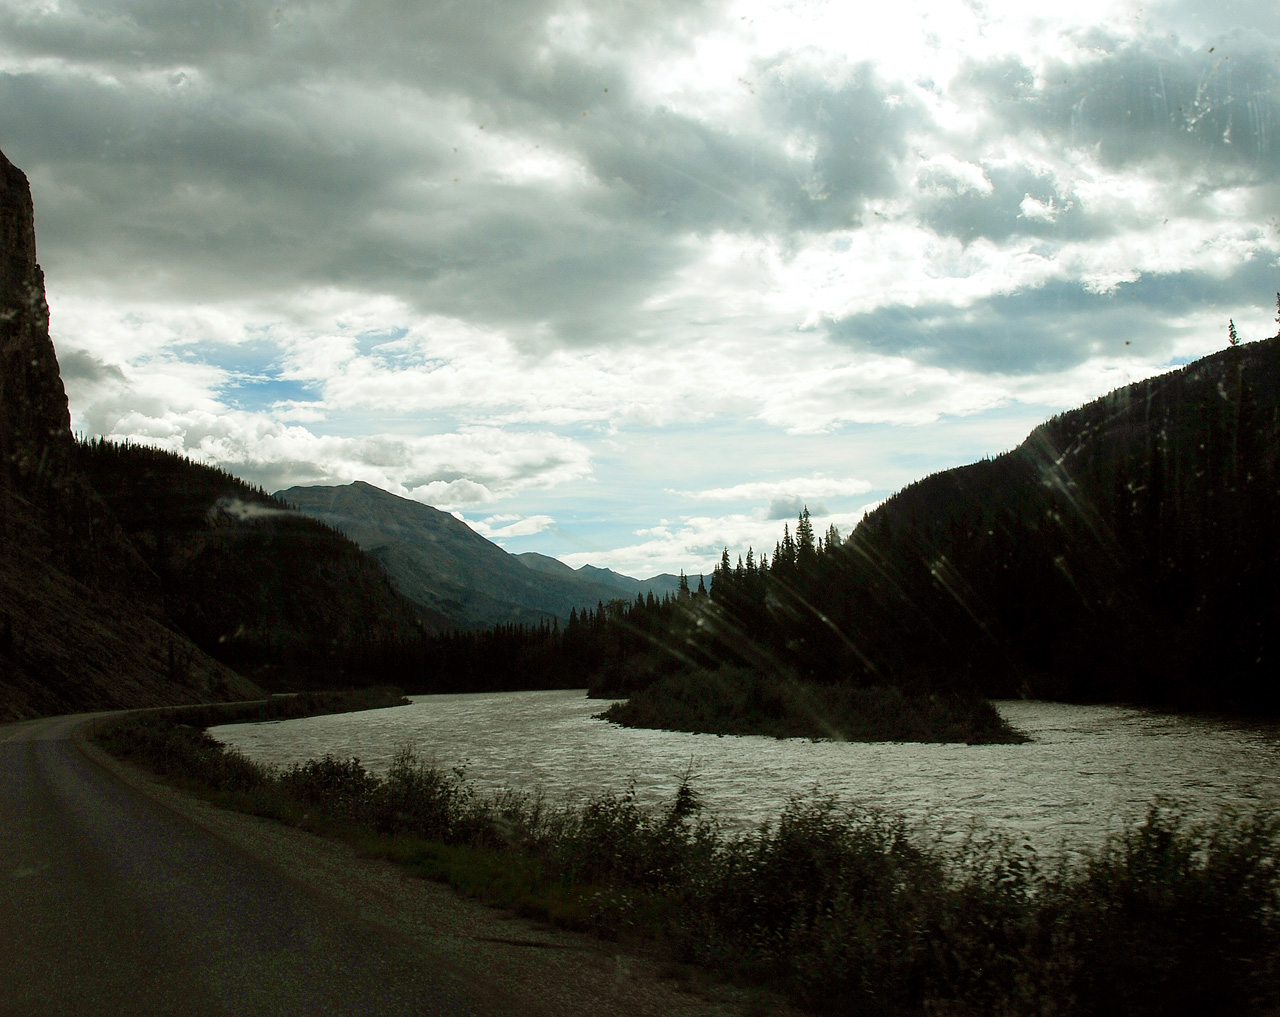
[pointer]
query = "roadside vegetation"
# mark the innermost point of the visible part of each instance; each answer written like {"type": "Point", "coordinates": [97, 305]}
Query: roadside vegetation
{"type": "Point", "coordinates": [843, 910]}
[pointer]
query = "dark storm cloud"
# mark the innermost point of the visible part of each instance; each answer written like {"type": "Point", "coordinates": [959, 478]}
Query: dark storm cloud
{"type": "Point", "coordinates": [1218, 112]}
{"type": "Point", "coordinates": [216, 149]}
{"type": "Point", "coordinates": [1221, 20]}
{"type": "Point", "coordinates": [790, 508]}
{"type": "Point", "coordinates": [1056, 327]}
{"type": "Point", "coordinates": [999, 214]}
{"type": "Point", "coordinates": [858, 130]}
{"type": "Point", "coordinates": [206, 191]}
{"type": "Point", "coordinates": [678, 174]}
{"type": "Point", "coordinates": [80, 366]}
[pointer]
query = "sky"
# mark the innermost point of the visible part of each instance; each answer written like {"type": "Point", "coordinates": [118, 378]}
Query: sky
{"type": "Point", "coordinates": [629, 283]}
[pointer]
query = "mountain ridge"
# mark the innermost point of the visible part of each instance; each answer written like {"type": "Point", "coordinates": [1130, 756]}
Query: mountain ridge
{"type": "Point", "coordinates": [439, 562]}
{"type": "Point", "coordinates": [660, 585]}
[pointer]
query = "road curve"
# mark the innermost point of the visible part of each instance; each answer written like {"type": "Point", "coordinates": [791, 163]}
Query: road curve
{"type": "Point", "coordinates": [120, 895]}
{"type": "Point", "coordinates": [111, 903]}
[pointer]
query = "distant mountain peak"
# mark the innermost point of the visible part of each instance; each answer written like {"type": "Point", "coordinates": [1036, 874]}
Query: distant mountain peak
{"type": "Point", "coordinates": [439, 562]}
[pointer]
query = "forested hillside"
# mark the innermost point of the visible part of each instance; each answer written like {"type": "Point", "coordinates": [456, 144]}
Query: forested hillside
{"type": "Point", "coordinates": [1126, 550]}
{"type": "Point", "coordinates": [269, 591]}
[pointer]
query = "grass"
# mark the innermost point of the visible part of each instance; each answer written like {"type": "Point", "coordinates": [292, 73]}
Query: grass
{"type": "Point", "coordinates": [741, 701]}
{"type": "Point", "coordinates": [844, 910]}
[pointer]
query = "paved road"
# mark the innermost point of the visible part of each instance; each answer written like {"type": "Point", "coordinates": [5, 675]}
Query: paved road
{"type": "Point", "coordinates": [110, 903]}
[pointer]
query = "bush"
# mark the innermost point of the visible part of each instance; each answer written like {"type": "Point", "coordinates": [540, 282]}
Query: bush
{"type": "Point", "coordinates": [739, 700]}
{"type": "Point", "coordinates": [1174, 918]}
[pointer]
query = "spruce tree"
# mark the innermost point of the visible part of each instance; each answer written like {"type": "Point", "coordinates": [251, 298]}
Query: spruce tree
{"type": "Point", "coordinates": [806, 553]}
{"type": "Point", "coordinates": [788, 550]}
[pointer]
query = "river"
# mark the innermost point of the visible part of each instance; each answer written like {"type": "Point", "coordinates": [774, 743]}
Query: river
{"type": "Point", "coordinates": [1087, 769]}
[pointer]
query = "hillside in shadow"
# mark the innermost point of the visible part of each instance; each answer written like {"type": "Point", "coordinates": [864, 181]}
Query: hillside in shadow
{"type": "Point", "coordinates": [261, 587]}
{"type": "Point", "coordinates": [1127, 550]}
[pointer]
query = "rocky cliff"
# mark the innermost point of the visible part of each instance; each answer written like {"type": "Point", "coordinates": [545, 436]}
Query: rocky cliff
{"type": "Point", "coordinates": [34, 423]}
{"type": "Point", "coordinates": [80, 617]}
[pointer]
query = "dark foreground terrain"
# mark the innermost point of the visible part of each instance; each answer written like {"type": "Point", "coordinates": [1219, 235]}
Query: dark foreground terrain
{"type": "Point", "coordinates": [124, 897]}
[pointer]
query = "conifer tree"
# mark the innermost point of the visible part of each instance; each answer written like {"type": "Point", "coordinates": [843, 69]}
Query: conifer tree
{"type": "Point", "coordinates": [805, 550]}
{"type": "Point", "coordinates": [788, 550]}
{"type": "Point", "coordinates": [722, 577]}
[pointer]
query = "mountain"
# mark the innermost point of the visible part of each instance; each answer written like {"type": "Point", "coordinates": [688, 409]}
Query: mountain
{"type": "Point", "coordinates": [267, 590]}
{"type": "Point", "coordinates": [82, 622]}
{"type": "Point", "coordinates": [1127, 550]}
{"type": "Point", "coordinates": [664, 584]}
{"type": "Point", "coordinates": [442, 564]}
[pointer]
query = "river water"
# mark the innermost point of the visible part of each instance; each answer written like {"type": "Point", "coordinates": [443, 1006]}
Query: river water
{"type": "Point", "coordinates": [1086, 771]}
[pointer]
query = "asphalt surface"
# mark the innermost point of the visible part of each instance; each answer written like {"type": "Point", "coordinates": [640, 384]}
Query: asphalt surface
{"type": "Point", "coordinates": [110, 903]}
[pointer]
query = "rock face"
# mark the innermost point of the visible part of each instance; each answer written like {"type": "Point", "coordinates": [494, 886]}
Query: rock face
{"type": "Point", "coordinates": [35, 427]}
{"type": "Point", "coordinates": [80, 613]}
{"type": "Point", "coordinates": [48, 505]}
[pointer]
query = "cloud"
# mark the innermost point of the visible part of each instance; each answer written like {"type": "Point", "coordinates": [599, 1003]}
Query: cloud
{"type": "Point", "coordinates": [243, 510]}
{"type": "Point", "coordinates": [501, 527]}
{"type": "Point", "coordinates": [1019, 200]}
{"type": "Point", "coordinates": [1149, 102]}
{"type": "Point", "coordinates": [790, 508]}
{"type": "Point", "coordinates": [84, 369]}
{"type": "Point", "coordinates": [762, 490]}
{"type": "Point", "coordinates": [467, 252]}
{"type": "Point", "coordinates": [1060, 325]}
{"type": "Point", "coordinates": [256, 157]}
{"type": "Point", "coordinates": [175, 405]}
